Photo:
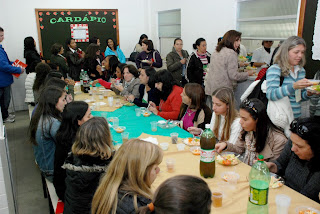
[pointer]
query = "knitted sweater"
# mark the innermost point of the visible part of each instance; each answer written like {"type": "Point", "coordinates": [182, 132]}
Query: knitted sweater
{"type": "Point", "coordinates": [274, 92]}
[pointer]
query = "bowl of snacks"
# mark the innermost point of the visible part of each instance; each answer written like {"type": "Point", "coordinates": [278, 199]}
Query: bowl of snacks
{"type": "Point", "coordinates": [314, 88]}
{"type": "Point", "coordinates": [120, 129]}
{"type": "Point", "coordinates": [306, 210]}
{"type": "Point", "coordinates": [192, 141]}
{"type": "Point", "coordinates": [227, 159]}
{"type": "Point", "coordinates": [146, 113]}
{"type": "Point", "coordinates": [166, 124]}
{"type": "Point", "coordinates": [195, 150]}
{"type": "Point", "coordinates": [242, 58]}
{"type": "Point", "coordinates": [276, 181]}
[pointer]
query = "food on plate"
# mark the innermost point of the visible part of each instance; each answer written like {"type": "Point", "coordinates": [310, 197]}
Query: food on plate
{"type": "Point", "coordinates": [120, 129]}
{"type": "Point", "coordinates": [129, 104]}
{"type": "Point", "coordinates": [190, 141]}
{"type": "Point", "coordinates": [315, 87]}
{"type": "Point", "coordinates": [227, 159]}
{"type": "Point", "coordinates": [227, 176]}
{"type": "Point", "coordinates": [242, 59]}
{"type": "Point", "coordinates": [146, 114]}
{"type": "Point", "coordinates": [251, 67]}
{"type": "Point", "coordinates": [307, 212]}
{"type": "Point", "coordinates": [275, 182]}
{"type": "Point", "coordinates": [196, 151]}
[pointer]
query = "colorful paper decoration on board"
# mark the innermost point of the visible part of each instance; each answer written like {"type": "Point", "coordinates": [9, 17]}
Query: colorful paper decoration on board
{"type": "Point", "coordinates": [80, 32]}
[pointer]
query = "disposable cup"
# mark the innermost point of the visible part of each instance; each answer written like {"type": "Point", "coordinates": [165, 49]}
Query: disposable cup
{"type": "Point", "coordinates": [154, 126]}
{"type": "Point", "coordinates": [174, 137]}
{"type": "Point", "coordinates": [283, 203]}
{"type": "Point", "coordinates": [100, 97]}
{"type": "Point", "coordinates": [125, 136]}
{"type": "Point", "coordinates": [170, 164]}
{"type": "Point", "coordinates": [110, 101]}
{"type": "Point", "coordinates": [138, 112]}
{"type": "Point", "coordinates": [217, 198]}
{"type": "Point", "coordinates": [180, 146]}
{"type": "Point", "coordinates": [115, 122]}
{"type": "Point", "coordinates": [97, 106]}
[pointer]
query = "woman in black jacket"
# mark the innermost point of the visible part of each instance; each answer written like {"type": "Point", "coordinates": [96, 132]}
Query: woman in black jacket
{"type": "Point", "coordinates": [93, 62]}
{"type": "Point", "coordinates": [30, 54]}
{"type": "Point", "coordinates": [90, 156]}
{"type": "Point", "coordinates": [74, 115]}
{"type": "Point", "coordinates": [198, 62]}
{"type": "Point", "coordinates": [147, 90]}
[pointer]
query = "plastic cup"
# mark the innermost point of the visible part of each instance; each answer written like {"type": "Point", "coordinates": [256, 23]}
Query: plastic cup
{"type": "Point", "coordinates": [154, 126]}
{"type": "Point", "coordinates": [217, 198]}
{"type": "Point", "coordinates": [174, 137]}
{"type": "Point", "coordinates": [110, 101]}
{"type": "Point", "coordinates": [164, 146]}
{"type": "Point", "coordinates": [138, 112]}
{"type": "Point", "coordinates": [115, 122]}
{"type": "Point", "coordinates": [125, 136]}
{"type": "Point", "coordinates": [283, 203]}
{"type": "Point", "coordinates": [117, 102]}
{"type": "Point", "coordinates": [170, 164]}
{"type": "Point", "coordinates": [97, 106]}
{"type": "Point", "coordinates": [100, 97]}
{"type": "Point", "coordinates": [180, 146]}
{"type": "Point", "coordinates": [105, 94]}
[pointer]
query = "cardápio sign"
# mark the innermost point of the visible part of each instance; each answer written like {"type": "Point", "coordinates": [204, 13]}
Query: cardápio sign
{"type": "Point", "coordinates": [78, 19]}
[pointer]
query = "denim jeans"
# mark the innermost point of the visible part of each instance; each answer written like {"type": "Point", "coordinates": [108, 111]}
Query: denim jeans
{"type": "Point", "coordinates": [5, 96]}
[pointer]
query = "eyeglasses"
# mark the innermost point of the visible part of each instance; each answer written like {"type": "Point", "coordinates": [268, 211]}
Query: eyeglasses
{"type": "Point", "coordinates": [301, 129]}
{"type": "Point", "coordinates": [250, 105]}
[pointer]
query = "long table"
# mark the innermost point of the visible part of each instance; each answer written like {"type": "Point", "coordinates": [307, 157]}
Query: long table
{"type": "Point", "coordinates": [235, 197]}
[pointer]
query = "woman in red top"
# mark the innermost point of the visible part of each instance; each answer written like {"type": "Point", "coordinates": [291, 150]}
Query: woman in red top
{"type": "Point", "coordinates": [170, 96]}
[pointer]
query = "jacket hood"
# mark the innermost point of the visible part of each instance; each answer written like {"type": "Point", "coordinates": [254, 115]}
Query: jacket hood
{"type": "Point", "coordinates": [85, 163]}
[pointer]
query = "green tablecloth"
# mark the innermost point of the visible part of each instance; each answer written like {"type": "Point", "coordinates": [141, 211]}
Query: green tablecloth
{"type": "Point", "coordinates": [137, 125]}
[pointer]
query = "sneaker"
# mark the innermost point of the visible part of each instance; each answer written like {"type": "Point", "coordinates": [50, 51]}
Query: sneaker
{"type": "Point", "coordinates": [12, 116]}
{"type": "Point", "coordinates": [8, 120]}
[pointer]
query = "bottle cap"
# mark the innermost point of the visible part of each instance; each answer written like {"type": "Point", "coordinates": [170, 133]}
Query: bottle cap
{"type": "Point", "coordinates": [260, 158]}
{"type": "Point", "coordinates": [207, 126]}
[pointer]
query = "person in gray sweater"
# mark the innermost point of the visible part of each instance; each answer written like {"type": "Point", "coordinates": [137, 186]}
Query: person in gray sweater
{"type": "Point", "coordinates": [130, 84]}
{"type": "Point", "coordinates": [299, 161]}
{"type": "Point", "coordinates": [223, 68]}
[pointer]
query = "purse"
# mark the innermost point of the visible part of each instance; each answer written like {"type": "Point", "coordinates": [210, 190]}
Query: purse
{"type": "Point", "coordinates": [133, 55]}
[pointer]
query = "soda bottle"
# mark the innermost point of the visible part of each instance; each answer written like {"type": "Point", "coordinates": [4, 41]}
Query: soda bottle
{"type": "Point", "coordinates": [81, 79]}
{"type": "Point", "coordinates": [86, 83]}
{"type": "Point", "coordinates": [259, 179]}
{"type": "Point", "coordinates": [207, 154]}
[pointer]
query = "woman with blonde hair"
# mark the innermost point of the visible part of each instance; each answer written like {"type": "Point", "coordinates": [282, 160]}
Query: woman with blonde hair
{"type": "Point", "coordinates": [225, 121]}
{"type": "Point", "coordinates": [288, 63]}
{"type": "Point", "coordinates": [127, 183]}
{"type": "Point", "coordinates": [90, 156]}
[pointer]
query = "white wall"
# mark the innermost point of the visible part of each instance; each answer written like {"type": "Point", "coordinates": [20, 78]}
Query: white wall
{"type": "Point", "coordinates": [209, 19]}
{"type": "Point", "coordinates": [18, 19]}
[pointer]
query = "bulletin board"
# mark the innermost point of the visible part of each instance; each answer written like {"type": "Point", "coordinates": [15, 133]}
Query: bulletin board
{"type": "Point", "coordinates": [56, 25]}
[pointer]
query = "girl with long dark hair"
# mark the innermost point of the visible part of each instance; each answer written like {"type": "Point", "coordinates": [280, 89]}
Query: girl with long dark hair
{"type": "Point", "coordinates": [93, 62]}
{"type": "Point", "coordinates": [31, 54]}
{"type": "Point", "coordinates": [170, 96]}
{"type": "Point", "coordinates": [194, 112]}
{"type": "Point", "coordinates": [114, 49]}
{"type": "Point", "coordinates": [259, 136]}
{"type": "Point", "coordinates": [74, 115]}
{"type": "Point", "coordinates": [44, 125]}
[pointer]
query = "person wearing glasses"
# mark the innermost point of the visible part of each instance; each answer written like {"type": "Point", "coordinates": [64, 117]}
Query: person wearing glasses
{"type": "Point", "coordinates": [288, 63]}
{"type": "Point", "coordinates": [262, 55]}
{"type": "Point", "coordinates": [299, 161]}
{"type": "Point", "coordinates": [259, 135]}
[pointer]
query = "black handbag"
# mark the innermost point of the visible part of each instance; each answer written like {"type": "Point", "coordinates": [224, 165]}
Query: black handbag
{"type": "Point", "coordinates": [133, 55]}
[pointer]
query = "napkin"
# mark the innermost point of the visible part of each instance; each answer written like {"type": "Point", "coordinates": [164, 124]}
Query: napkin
{"type": "Point", "coordinates": [101, 103]}
{"type": "Point", "coordinates": [151, 140]}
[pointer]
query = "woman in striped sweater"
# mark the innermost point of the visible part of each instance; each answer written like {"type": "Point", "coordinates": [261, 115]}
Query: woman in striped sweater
{"type": "Point", "coordinates": [289, 62]}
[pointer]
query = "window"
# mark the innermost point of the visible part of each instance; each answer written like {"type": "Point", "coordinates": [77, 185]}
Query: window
{"type": "Point", "coordinates": [169, 23]}
{"type": "Point", "coordinates": [272, 19]}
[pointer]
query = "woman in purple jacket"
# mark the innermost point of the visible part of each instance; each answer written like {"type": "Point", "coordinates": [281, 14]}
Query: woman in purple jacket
{"type": "Point", "coordinates": [149, 56]}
